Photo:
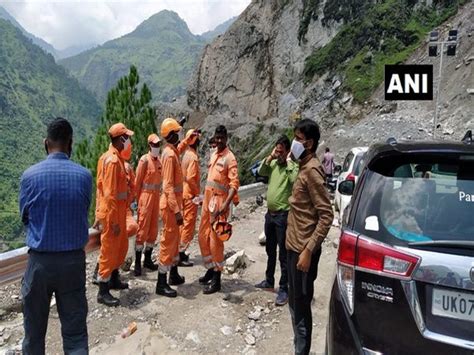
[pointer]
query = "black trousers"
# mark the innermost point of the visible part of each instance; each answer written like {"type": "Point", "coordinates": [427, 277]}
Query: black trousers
{"type": "Point", "coordinates": [64, 274]}
{"type": "Point", "coordinates": [275, 233]}
{"type": "Point", "coordinates": [301, 293]}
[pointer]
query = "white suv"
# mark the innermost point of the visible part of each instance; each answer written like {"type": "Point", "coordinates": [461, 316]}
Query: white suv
{"type": "Point", "coordinates": [350, 171]}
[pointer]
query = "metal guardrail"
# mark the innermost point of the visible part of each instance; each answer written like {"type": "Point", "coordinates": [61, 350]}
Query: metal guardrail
{"type": "Point", "coordinates": [13, 263]}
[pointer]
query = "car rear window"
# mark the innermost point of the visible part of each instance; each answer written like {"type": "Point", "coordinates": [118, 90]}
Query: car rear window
{"type": "Point", "coordinates": [358, 164]}
{"type": "Point", "coordinates": [420, 200]}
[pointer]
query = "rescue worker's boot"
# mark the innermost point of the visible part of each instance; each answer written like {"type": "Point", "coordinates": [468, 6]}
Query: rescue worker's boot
{"type": "Point", "coordinates": [95, 275]}
{"type": "Point", "coordinates": [138, 263]}
{"type": "Point", "coordinates": [115, 283]}
{"type": "Point", "coordinates": [105, 297]}
{"type": "Point", "coordinates": [184, 260]}
{"type": "Point", "coordinates": [148, 263]}
{"type": "Point", "coordinates": [204, 280]}
{"type": "Point", "coordinates": [175, 278]}
{"type": "Point", "coordinates": [215, 284]}
{"type": "Point", "coordinates": [162, 288]}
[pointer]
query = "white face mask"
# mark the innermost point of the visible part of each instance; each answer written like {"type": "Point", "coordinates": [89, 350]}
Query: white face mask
{"type": "Point", "coordinates": [213, 150]}
{"type": "Point", "coordinates": [155, 152]}
{"type": "Point", "coordinates": [126, 143]}
{"type": "Point", "coordinates": [297, 148]}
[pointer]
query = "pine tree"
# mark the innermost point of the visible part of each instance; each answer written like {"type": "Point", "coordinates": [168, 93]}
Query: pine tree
{"type": "Point", "coordinates": [126, 104]}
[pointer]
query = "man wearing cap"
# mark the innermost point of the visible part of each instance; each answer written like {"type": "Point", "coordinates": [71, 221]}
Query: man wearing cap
{"type": "Point", "coordinates": [112, 212]}
{"type": "Point", "coordinates": [148, 184]}
{"type": "Point", "coordinates": [221, 188]}
{"type": "Point", "coordinates": [191, 185]}
{"type": "Point", "coordinates": [132, 225]}
{"type": "Point", "coordinates": [171, 207]}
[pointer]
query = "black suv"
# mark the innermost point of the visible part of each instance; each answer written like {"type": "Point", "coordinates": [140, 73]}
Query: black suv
{"type": "Point", "coordinates": [405, 264]}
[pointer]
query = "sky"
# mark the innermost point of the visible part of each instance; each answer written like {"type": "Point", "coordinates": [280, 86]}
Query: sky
{"type": "Point", "coordinates": [65, 23]}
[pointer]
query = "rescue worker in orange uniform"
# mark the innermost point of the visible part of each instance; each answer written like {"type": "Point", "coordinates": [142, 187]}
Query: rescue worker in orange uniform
{"type": "Point", "coordinates": [171, 207]}
{"type": "Point", "coordinates": [112, 212]}
{"type": "Point", "coordinates": [132, 225]}
{"type": "Point", "coordinates": [148, 185]}
{"type": "Point", "coordinates": [221, 188]}
{"type": "Point", "coordinates": [192, 188]}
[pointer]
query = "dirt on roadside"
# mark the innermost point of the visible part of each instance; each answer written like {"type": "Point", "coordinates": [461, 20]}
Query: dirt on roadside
{"type": "Point", "coordinates": [192, 322]}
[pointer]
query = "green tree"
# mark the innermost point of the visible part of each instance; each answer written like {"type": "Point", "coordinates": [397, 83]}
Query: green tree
{"type": "Point", "coordinates": [130, 105]}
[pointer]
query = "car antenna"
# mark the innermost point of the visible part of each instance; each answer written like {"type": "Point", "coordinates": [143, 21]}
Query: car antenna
{"type": "Point", "coordinates": [467, 137]}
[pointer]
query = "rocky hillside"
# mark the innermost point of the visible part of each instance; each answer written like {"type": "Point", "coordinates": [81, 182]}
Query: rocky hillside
{"type": "Point", "coordinates": [33, 90]}
{"type": "Point", "coordinates": [162, 48]}
{"type": "Point", "coordinates": [283, 60]}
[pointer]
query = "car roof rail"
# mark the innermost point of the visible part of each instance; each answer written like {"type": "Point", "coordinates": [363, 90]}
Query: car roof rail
{"type": "Point", "coordinates": [467, 139]}
{"type": "Point", "coordinates": [392, 141]}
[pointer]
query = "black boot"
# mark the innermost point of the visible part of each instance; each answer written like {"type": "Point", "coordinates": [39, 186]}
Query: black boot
{"type": "Point", "coordinates": [207, 277]}
{"type": "Point", "coordinates": [184, 260]}
{"type": "Point", "coordinates": [105, 297]}
{"type": "Point", "coordinates": [138, 263]}
{"type": "Point", "coordinates": [115, 283]}
{"type": "Point", "coordinates": [215, 284]}
{"type": "Point", "coordinates": [175, 278]}
{"type": "Point", "coordinates": [162, 288]}
{"type": "Point", "coordinates": [148, 263]}
{"type": "Point", "coordinates": [95, 275]}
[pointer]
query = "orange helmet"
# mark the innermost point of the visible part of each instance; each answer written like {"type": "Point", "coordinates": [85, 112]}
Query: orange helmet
{"type": "Point", "coordinates": [169, 125]}
{"type": "Point", "coordinates": [223, 230]}
{"type": "Point", "coordinates": [188, 134]}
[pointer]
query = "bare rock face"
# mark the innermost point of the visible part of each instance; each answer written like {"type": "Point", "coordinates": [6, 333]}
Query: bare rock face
{"type": "Point", "coordinates": [252, 69]}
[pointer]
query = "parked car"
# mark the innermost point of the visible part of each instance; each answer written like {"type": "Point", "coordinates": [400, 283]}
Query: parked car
{"type": "Point", "coordinates": [405, 266]}
{"type": "Point", "coordinates": [254, 172]}
{"type": "Point", "coordinates": [350, 171]}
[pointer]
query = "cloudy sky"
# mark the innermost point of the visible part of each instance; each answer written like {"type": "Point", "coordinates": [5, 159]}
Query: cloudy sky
{"type": "Point", "coordinates": [65, 23]}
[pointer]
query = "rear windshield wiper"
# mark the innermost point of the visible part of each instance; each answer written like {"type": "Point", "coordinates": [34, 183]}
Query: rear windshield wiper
{"type": "Point", "coordinates": [462, 244]}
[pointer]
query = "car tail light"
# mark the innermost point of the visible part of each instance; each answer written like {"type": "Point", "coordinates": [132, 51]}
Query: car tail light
{"type": "Point", "coordinates": [351, 177]}
{"type": "Point", "coordinates": [375, 257]}
{"type": "Point", "coordinates": [346, 256]}
{"type": "Point", "coordinates": [362, 253]}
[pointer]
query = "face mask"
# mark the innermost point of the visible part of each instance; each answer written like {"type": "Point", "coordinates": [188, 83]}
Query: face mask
{"type": "Point", "coordinates": [155, 152]}
{"type": "Point", "coordinates": [213, 150]}
{"type": "Point", "coordinates": [126, 153]}
{"type": "Point", "coordinates": [297, 148]}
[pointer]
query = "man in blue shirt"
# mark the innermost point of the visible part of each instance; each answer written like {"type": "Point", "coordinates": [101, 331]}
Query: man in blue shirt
{"type": "Point", "coordinates": [55, 196]}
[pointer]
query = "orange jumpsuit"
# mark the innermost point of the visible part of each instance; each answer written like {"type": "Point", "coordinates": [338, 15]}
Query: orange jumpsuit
{"type": "Point", "coordinates": [148, 184]}
{"type": "Point", "coordinates": [222, 176]}
{"type": "Point", "coordinates": [192, 182]}
{"type": "Point", "coordinates": [112, 210]}
{"type": "Point", "coordinates": [171, 202]}
{"type": "Point", "coordinates": [132, 225]}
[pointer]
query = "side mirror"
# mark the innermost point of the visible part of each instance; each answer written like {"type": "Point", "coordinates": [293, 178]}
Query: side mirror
{"type": "Point", "coordinates": [346, 187]}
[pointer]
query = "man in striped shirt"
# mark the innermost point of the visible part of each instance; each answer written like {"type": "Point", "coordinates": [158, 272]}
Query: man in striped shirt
{"type": "Point", "coordinates": [55, 196]}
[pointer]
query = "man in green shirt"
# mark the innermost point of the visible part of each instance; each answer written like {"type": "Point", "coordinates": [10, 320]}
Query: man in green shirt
{"type": "Point", "coordinates": [282, 173]}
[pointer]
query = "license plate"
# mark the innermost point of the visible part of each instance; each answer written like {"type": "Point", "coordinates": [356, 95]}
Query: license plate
{"type": "Point", "coordinates": [453, 304]}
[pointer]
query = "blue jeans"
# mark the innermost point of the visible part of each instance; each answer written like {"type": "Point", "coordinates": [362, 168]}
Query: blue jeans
{"type": "Point", "coordinates": [64, 274]}
{"type": "Point", "coordinates": [275, 233]}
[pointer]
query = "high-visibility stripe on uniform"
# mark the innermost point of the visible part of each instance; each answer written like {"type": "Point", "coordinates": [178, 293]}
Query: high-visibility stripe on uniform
{"type": "Point", "coordinates": [216, 185]}
{"type": "Point", "coordinates": [151, 186]}
{"type": "Point", "coordinates": [122, 196]}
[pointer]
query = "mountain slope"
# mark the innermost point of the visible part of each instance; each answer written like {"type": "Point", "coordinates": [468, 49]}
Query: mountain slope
{"type": "Point", "coordinates": [38, 41]}
{"type": "Point", "coordinates": [33, 90]}
{"type": "Point", "coordinates": [162, 48]}
{"type": "Point", "coordinates": [219, 30]}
